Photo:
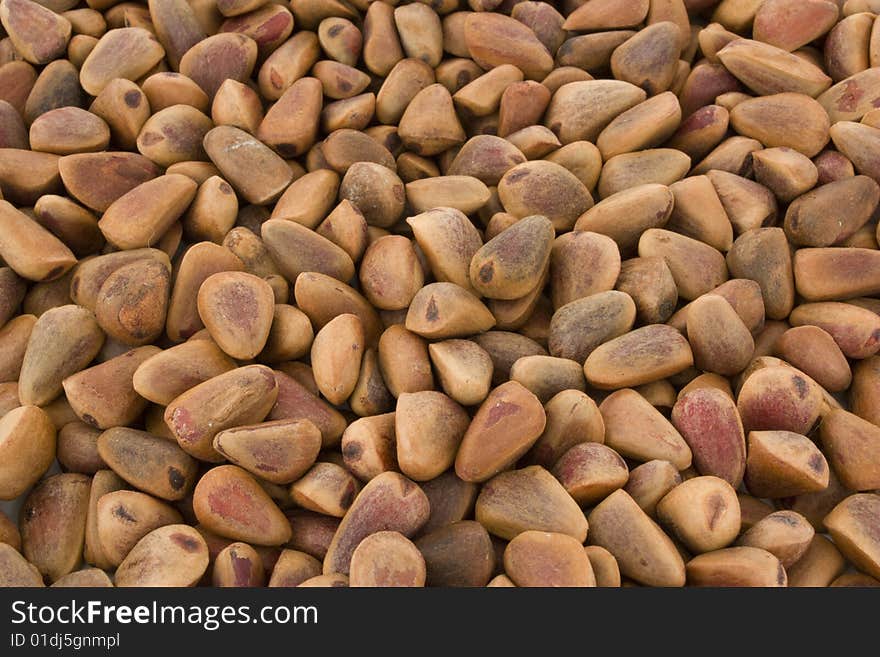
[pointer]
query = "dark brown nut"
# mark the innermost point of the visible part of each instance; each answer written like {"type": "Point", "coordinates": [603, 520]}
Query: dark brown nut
{"type": "Point", "coordinates": [721, 342]}
{"type": "Point", "coordinates": [819, 565]}
{"type": "Point", "coordinates": [103, 395]}
{"type": "Point", "coordinates": [581, 326]}
{"type": "Point", "coordinates": [69, 222]}
{"type": "Point", "coordinates": [528, 499]}
{"type": "Point", "coordinates": [27, 445]}
{"type": "Point", "coordinates": [825, 274]}
{"type": "Point", "coordinates": [779, 398]}
{"type": "Point", "coordinates": [63, 341]}
{"type": "Point", "coordinates": [702, 512]}
{"type": "Point", "coordinates": [387, 559]}
{"type": "Point", "coordinates": [851, 445]}
{"type": "Point", "coordinates": [389, 502]}
{"type": "Point", "coordinates": [832, 213]}
{"type": "Point", "coordinates": [29, 249]}
{"type": "Point", "coordinates": [428, 429]}
{"type": "Point", "coordinates": [229, 502]}
{"type": "Point", "coordinates": [458, 555]}
{"type": "Point", "coordinates": [368, 446]}
{"type": "Point", "coordinates": [763, 255]}
{"type": "Point", "coordinates": [280, 451]}
{"type": "Point", "coordinates": [854, 329]}
{"type": "Point", "coordinates": [495, 39]}
{"type": "Point", "coordinates": [522, 105]}
{"type": "Point", "coordinates": [198, 263]}
{"type": "Point", "coordinates": [177, 26]}
{"type": "Point", "coordinates": [814, 351]}
{"type": "Point", "coordinates": [451, 500]}
{"type": "Point", "coordinates": [445, 310]}
{"type": "Point", "coordinates": [238, 156]}
{"type": "Point", "coordinates": [637, 430]}
{"type": "Point", "coordinates": [170, 373]}
{"type": "Point", "coordinates": [782, 463]}
{"type": "Point", "coordinates": [590, 472]}
{"type": "Point", "coordinates": [125, 517]}
{"type": "Point", "coordinates": [119, 173]}
{"type": "Point", "coordinates": [78, 448]}
{"type": "Point", "coordinates": [641, 356]}
{"type": "Point", "coordinates": [152, 464]}
{"type": "Point", "coordinates": [309, 198]}
{"type": "Point", "coordinates": [235, 398]}
{"type": "Point", "coordinates": [293, 568]}
{"type": "Point", "coordinates": [853, 526]}
{"type": "Point", "coordinates": [449, 241]}
{"type": "Point", "coordinates": [376, 191]}
{"type": "Point", "coordinates": [174, 555]}
{"type": "Point", "coordinates": [128, 52]}
{"type": "Point", "coordinates": [53, 524]}
{"type": "Point", "coordinates": [784, 534]}
{"type": "Point", "coordinates": [141, 217]}
{"type": "Point", "coordinates": [322, 298]}
{"type": "Point", "coordinates": [336, 357]}
{"type": "Point", "coordinates": [536, 558]}
{"type": "Point", "coordinates": [463, 368]}
{"type": "Point", "coordinates": [626, 215]}
{"type": "Point", "coordinates": [736, 566]}
{"type": "Point", "coordinates": [505, 427]}
{"type": "Point", "coordinates": [239, 565]}
{"type": "Point", "coordinates": [619, 525]}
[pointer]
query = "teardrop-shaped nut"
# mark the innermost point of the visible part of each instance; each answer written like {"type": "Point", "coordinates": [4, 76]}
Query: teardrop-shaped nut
{"type": "Point", "coordinates": [445, 310]}
{"type": "Point", "coordinates": [174, 555]}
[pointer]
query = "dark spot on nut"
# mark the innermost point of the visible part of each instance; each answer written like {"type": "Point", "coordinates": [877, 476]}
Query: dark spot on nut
{"type": "Point", "coordinates": [188, 543]}
{"type": "Point", "coordinates": [120, 512]}
{"type": "Point", "coordinates": [132, 98]}
{"type": "Point", "coordinates": [801, 386]}
{"type": "Point", "coordinates": [334, 30]}
{"type": "Point", "coordinates": [352, 451]}
{"type": "Point", "coordinates": [487, 271]}
{"type": "Point", "coordinates": [432, 313]}
{"type": "Point", "coordinates": [176, 478]}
